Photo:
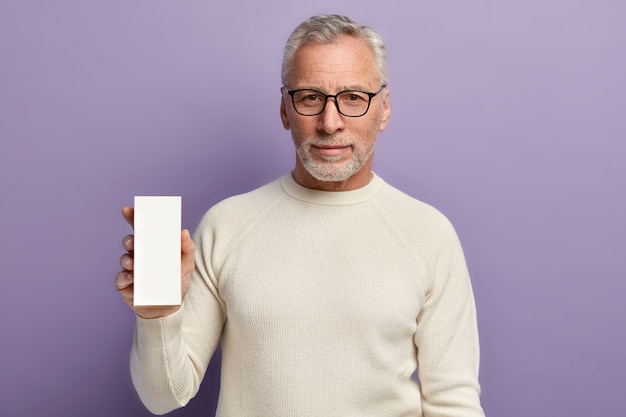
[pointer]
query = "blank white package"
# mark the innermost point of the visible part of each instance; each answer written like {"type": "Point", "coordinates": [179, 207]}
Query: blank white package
{"type": "Point", "coordinates": [157, 251]}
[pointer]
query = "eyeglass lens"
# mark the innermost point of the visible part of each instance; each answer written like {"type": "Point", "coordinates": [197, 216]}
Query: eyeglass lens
{"type": "Point", "coordinates": [349, 103]}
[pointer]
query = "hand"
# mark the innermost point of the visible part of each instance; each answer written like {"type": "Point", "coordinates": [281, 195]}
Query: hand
{"type": "Point", "coordinates": [124, 279]}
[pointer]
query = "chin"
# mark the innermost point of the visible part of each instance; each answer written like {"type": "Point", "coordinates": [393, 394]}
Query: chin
{"type": "Point", "coordinates": [332, 174]}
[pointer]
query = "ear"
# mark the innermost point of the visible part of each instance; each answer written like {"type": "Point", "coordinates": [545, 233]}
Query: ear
{"type": "Point", "coordinates": [283, 109]}
{"type": "Point", "coordinates": [384, 119]}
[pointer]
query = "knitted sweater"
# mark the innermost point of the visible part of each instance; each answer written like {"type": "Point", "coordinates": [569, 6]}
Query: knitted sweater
{"type": "Point", "coordinates": [326, 304]}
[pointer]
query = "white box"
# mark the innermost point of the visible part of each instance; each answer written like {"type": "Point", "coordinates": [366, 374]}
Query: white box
{"type": "Point", "coordinates": [157, 251]}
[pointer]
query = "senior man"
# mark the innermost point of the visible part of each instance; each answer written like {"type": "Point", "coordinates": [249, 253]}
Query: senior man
{"type": "Point", "coordinates": [332, 293]}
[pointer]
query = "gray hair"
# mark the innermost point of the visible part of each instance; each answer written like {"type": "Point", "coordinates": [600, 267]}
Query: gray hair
{"type": "Point", "coordinates": [326, 29]}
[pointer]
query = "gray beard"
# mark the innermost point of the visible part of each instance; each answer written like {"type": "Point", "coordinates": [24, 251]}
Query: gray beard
{"type": "Point", "coordinates": [329, 170]}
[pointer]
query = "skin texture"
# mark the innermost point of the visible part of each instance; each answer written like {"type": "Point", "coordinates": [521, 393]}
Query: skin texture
{"type": "Point", "coordinates": [334, 152]}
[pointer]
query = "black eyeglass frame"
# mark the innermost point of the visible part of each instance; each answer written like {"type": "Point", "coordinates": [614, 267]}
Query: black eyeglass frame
{"type": "Point", "coordinates": [334, 97]}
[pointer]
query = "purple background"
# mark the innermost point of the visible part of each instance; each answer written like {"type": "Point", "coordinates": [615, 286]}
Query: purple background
{"type": "Point", "coordinates": [507, 116]}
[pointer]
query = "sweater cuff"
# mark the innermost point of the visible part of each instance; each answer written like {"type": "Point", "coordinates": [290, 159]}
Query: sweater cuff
{"type": "Point", "coordinates": [154, 333]}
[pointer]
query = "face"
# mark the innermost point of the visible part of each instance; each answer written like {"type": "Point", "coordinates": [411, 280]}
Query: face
{"type": "Point", "coordinates": [334, 152]}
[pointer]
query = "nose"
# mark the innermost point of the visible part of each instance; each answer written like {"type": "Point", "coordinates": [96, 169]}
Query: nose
{"type": "Point", "coordinates": [330, 120]}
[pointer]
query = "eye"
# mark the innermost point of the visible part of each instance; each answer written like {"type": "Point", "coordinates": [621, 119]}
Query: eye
{"type": "Point", "coordinates": [353, 97]}
{"type": "Point", "coordinates": [309, 97]}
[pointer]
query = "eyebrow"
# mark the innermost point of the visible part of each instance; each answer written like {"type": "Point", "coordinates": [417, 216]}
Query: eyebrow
{"type": "Point", "coordinates": [342, 88]}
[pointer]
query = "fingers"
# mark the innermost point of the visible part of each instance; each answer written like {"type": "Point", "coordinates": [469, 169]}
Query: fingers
{"type": "Point", "coordinates": [129, 243]}
{"type": "Point", "coordinates": [124, 286]}
{"type": "Point", "coordinates": [129, 215]}
{"type": "Point", "coordinates": [123, 280]}
{"type": "Point", "coordinates": [127, 262]}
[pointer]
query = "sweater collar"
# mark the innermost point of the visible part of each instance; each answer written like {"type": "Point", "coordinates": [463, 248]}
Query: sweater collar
{"type": "Point", "coordinates": [331, 198]}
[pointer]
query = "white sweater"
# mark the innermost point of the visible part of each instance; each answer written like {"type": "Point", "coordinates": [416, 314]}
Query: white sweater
{"type": "Point", "coordinates": [326, 303]}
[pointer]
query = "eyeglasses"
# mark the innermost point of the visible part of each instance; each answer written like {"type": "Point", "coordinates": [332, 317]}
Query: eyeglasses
{"type": "Point", "coordinates": [350, 103]}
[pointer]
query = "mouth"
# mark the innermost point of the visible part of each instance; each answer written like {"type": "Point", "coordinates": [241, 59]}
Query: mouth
{"type": "Point", "coordinates": [332, 150]}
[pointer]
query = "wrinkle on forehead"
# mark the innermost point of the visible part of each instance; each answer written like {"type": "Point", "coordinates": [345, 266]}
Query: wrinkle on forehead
{"type": "Point", "coordinates": [347, 64]}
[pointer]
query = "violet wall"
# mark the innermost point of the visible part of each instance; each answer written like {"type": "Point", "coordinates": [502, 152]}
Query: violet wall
{"type": "Point", "coordinates": [506, 115]}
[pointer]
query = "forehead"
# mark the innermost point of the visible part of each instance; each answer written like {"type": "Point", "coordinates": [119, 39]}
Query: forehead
{"type": "Point", "coordinates": [346, 63]}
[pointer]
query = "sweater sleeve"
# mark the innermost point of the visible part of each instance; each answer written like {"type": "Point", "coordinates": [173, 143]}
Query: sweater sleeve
{"type": "Point", "coordinates": [170, 355]}
{"type": "Point", "coordinates": [447, 336]}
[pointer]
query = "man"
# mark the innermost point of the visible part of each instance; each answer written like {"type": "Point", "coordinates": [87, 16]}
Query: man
{"type": "Point", "coordinates": [327, 288]}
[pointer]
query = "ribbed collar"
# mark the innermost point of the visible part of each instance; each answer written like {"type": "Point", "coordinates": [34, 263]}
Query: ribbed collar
{"type": "Point", "coordinates": [331, 198]}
